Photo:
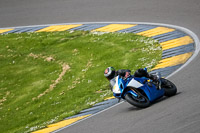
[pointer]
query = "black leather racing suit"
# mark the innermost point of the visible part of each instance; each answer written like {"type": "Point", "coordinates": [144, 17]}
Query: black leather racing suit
{"type": "Point", "coordinates": [120, 72]}
{"type": "Point", "coordinates": [138, 73]}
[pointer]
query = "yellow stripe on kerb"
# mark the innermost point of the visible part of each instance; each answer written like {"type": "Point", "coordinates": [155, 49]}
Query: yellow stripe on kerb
{"type": "Point", "coordinates": [173, 61]}
{"type": "Point", "coordinates": [5, 30]}
{"type": "Point", "coordinates": [58, 28]}
{"type": "Point", "coordinates": [109, 98]}
{"type": "Point", "coordinates": [155, 31]}
{"type": "Point", "coordinates": [176, 42]}
{"type": "Point", "coordinates": [114, 27]}
{"type": "Point", "coordinates": [61, 124]}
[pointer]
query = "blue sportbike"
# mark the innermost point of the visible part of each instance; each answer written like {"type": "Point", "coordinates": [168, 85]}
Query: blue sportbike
{"type": "Point", "coordinates": [141, 92]}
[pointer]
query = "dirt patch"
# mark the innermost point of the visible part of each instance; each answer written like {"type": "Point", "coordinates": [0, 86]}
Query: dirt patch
{"type": "Point", "coordinates": [49, 59]}
{"type": "Point", "coordinates": [65, 68]}
{"type": "Point", "coordinates": [46, 58]}
{"type": "Point", "coordinates": [4, 98]}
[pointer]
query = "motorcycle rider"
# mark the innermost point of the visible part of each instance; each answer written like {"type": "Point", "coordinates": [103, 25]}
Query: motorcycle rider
{"type": "Point", "coordinates": [110, 73]}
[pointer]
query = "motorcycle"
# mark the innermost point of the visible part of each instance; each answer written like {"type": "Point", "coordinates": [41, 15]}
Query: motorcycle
{"type": "Point", "coordinates": [141, 92]}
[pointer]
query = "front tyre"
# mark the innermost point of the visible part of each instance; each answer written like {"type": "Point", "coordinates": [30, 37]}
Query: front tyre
{"type": "Point", "coordinates": [169, 87]}
{"type": "Point", "coordinates": [140, 102]}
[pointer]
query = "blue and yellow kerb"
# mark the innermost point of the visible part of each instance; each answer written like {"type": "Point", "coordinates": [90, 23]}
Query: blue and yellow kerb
{"type": "Point", "coordinates": [177, 48]}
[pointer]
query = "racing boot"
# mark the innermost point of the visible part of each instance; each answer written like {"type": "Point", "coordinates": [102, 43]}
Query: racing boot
{"type": "Point", "coordinates": [158, 75]}
{"type": "Point", "coordinates": [156, 80]}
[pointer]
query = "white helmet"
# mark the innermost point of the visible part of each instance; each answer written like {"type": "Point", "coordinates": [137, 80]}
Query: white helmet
{"type": "Point", "coordinates": [109, 73]}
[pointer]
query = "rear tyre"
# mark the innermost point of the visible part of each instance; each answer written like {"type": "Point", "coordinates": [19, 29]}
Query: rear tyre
{"type": "Point", "coordinates": [140, 102]}
{"type": "Point", "coordinates": [169, 87]}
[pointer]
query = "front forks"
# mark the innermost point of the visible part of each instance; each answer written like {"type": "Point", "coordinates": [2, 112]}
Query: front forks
{"type": "Point", "coordinates": [133, 92]}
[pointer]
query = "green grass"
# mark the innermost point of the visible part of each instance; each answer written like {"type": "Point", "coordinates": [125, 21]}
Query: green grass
{"type": "Point", "coordinates": [35, 91]}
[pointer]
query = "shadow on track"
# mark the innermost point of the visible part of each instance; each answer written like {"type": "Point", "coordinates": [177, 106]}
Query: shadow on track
{"type": "Point", "coordinates": [133, 108]}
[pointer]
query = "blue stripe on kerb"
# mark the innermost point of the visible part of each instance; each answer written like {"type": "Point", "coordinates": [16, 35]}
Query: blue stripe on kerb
{"type": "Point", "coordinates": [169, 36]}
{"type": "Point", "coordinates": [26, 29]}
{"type": "Point", "coordinates": [178, 50]}
{"type": "Point", "coordinates": [36, 28]}
{"type": "Point", "coordinates": [138, 28]}
{"type": "Point", "coordinates": [15, 30]}
{"type": "Point", "coordinates": [96, 108]}
{"type": "Point", "coordinates": [89, 27]}
{"type": "Point", "coordinates": [166, 71]}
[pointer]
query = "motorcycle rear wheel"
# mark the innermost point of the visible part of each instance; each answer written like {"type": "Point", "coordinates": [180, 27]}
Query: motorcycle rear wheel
{"type": "Point", "coordinates": [169, 87]}
{"type": "Point", "coordinates": [140, 102]}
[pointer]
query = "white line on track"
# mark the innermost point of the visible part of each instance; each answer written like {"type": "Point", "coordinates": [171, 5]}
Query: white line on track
{"type": "Point", "coordinates": [87, 117]}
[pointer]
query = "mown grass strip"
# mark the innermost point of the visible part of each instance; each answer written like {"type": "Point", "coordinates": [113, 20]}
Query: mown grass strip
{"type": "Point", "coordinates": [46, 77]}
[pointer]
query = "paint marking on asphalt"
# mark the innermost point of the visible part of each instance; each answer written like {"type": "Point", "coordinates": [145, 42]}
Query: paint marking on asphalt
{"type": "Point", "coordinates": [114, 27]}
{"type": "Point", "coordinates": [173, 61]}
{"type": "Point", "coordinates": [156, 31]}
{"type": "Point", "coordinates": [61, 124]}
{"type": "Point", "coordinates": [109, 98]}
{"type": "Point", "coordinates": [58, 28]}
{"type": "Point", "coordinates": [4, 30]}
{"type": "Point", "coordinates": [176, 42]}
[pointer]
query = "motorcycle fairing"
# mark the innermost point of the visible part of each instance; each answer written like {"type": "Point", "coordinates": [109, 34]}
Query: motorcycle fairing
{"type": "Point", "coordinates": [134, 83]}
{"type": "Point", "coordinates": [116, 88]}
{"type": "Point", "coordinates": [151, 92]}
{"type": "Point", "coordinates": [120, 87]}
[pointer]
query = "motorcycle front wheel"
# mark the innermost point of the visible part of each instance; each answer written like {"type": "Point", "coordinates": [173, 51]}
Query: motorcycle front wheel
{"type": "Point", "coordinates": [141, 101]}
{"type": "Point", "coordinates": [169, 87]}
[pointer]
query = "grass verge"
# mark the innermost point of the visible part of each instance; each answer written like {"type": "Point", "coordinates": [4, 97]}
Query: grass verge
{"type": "Point", "coordinates": [45, 77]}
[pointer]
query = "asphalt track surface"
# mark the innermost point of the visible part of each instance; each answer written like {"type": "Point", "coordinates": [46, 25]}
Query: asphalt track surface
{"type": "Point", "coordinates": [178, 114]}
